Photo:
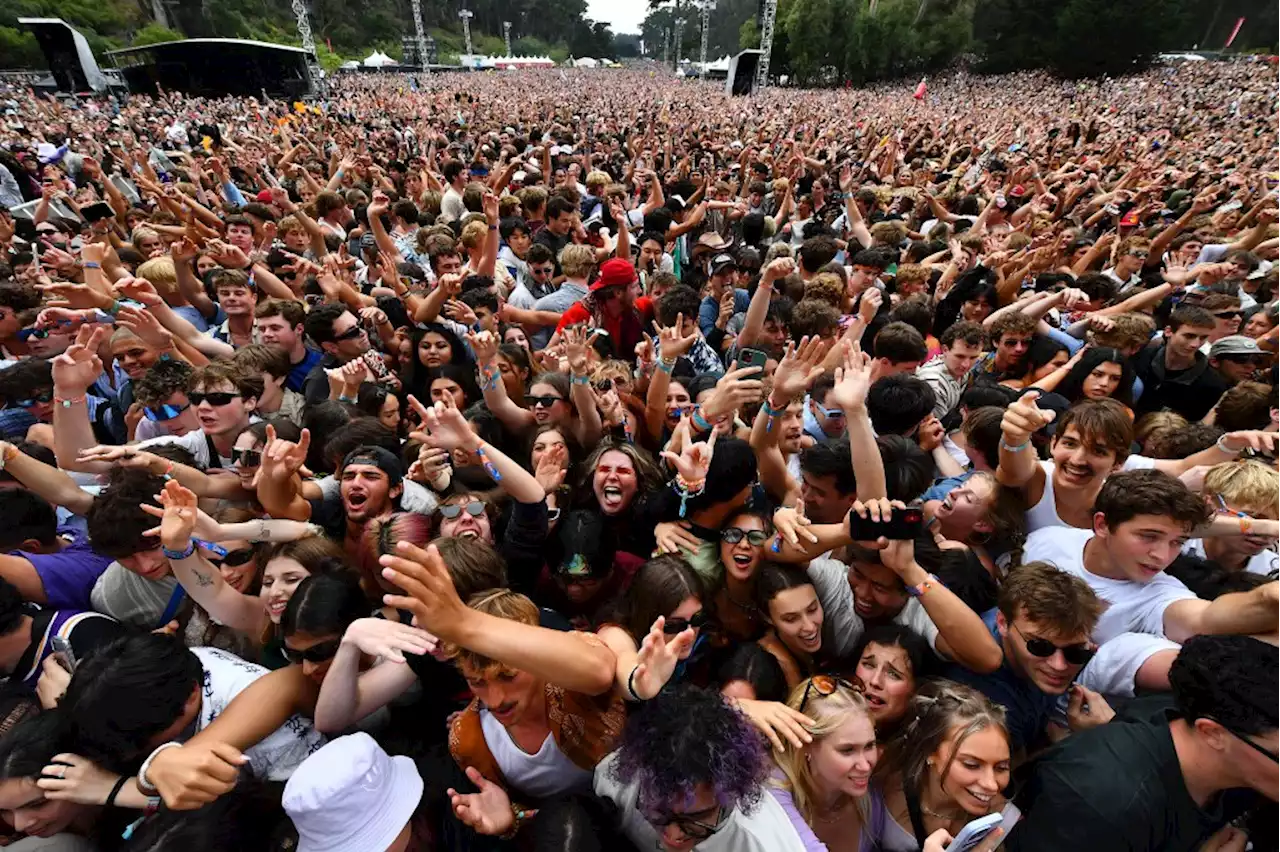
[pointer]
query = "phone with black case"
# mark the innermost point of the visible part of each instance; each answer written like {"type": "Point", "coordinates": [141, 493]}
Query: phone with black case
{"type": "Point", "coordinates": [902, 524]}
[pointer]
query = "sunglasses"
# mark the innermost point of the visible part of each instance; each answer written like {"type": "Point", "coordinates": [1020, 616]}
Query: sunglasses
{"type": "Point", "coordinates": [1250, 743]}
{"type": "Point", "coordinates": [475, 508]}
{"type": "Point", "coordinates": [543, 401]}
{"type": "Point", "coordinates": [246, 458]}
{"type": "Point", "coordinates": [321, 652]}
{"type": "Point", "coordinates": [542, 270]}
{"type": "Point", "coordinates": [43, 396]}
{"type": "Point", "coordinates": [733, 535]}
{"type": "Point", "coordinates": [824, 685]}
{"type": "Point", "coordinates": [165, 412]}
{"type": "Point", "coordinates": [350, 334]}
{"type": "Point", "coordinates": [603, 385]}
{"type": "Point", "coordinates": [689, 827]}
{"type": "Point", "coordinates": [217, 400]}
{"type": "Point", "coordinates": [829, 413]}
{"type": "Point", "coordinates": [1228, 314]}
{"type": "Point", "coordinates": [234, 558]}
{"type": "Point", "coordinates": [1076, 655]}
{"type": "Point", "coordinates": [37, 333]}
{"type": "Point", "coordinates": [674, 625]}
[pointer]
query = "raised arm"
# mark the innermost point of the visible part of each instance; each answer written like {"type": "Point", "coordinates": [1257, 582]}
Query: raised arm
{"type": "Point", "coordinates": [347, 695]}
{"type": "Point", "coordinates": [758, 308]}
{"type": "Point", "coordinates": [447, 429]}
{"type": "Point", "coordinates": [1019, 466]}
{"type": "Point", "coordinates": [513, 417]}
{"type": "Point", "coordinates": [73, 372]}
{"type": "Point", "coordinates": [853, 381]}
{"type": "Point", "coordinates": [51, 483]}
{"type": "Point", "coordinates": [575, 661]}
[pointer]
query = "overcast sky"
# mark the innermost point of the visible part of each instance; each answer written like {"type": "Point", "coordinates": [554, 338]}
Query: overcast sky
{"type": "Point", "coordinates": [623, 16]}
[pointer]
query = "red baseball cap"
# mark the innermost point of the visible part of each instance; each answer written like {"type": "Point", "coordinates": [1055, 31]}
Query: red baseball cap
{"type": "Point", "coordinates": [264, 196]}
{"type": "Point", "coordinates": [614, 272]}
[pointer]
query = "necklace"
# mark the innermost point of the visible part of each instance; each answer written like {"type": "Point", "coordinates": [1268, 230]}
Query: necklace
{"type": "Point", "coordinates": [835, 814]}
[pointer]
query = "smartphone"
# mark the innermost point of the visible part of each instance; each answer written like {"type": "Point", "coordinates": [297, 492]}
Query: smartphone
{"type": "Point", "coordinates": [97, 211]}
{"type": "Point", "coordinates": [973, 833]}
{"type": "Point", "coordinates": [63, 651]}
{"type": "Point", "coordinates": [902, 524]}
{"type": "Point", "coordinates": [375, 364]}
{"type": "Point", "coordinates": [753, 358]}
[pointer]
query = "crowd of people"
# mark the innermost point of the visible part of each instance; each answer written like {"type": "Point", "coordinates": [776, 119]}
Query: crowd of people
{"type": "Point", "coordinates": [582, 460]}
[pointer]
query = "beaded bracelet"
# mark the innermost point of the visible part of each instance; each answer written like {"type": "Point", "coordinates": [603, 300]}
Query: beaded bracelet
{"type": "Point", "coordinates": [687, 489]}
{"type": "Point", "coordinates": [666, 366]}
{"type": "Point", "coordinates": [68, 401]}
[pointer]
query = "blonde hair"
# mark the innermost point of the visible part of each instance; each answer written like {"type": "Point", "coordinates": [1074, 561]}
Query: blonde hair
{"type": "Point", "coordinates": [473, 235]}
{"type": "Point", "coordinates": [161, 273]}
{"type": "Point", "coordinates": [829, 713]}
{"type": "Point", "coordinates": [500, 603]}
{"type": "Point", "coordinates": [1156, 424]}
{"type": "Point", "coordinates": [597, 179]}
{"type": "Point", "coordinates": [1245, 485]}
{"type": "Point", "coordinates": [576, 261]}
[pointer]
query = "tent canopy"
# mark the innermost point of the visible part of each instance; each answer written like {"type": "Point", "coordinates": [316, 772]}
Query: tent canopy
{"type": "Point", "coordinates": [377, 59]}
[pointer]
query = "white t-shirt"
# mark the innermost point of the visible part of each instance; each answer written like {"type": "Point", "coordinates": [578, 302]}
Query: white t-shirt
{"type": "Point", "coordinates": [842, 627]}
{"type": "Point", "coordinates": [1132, 607]}
{"type": "Point", "coordinates": [765, 829]}
{"type": "Point", "coordinates": [541, 775]}
{"type": "Point", "coordinates": [275, 757]}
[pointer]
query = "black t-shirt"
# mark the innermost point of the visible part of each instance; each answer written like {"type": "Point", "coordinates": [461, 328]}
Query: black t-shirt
{"type": "Point", "coordinates": [1117, 788]}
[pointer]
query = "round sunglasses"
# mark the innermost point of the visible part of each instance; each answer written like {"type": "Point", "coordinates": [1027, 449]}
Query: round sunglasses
{"type": "Point", "coordinates": [474, 508]}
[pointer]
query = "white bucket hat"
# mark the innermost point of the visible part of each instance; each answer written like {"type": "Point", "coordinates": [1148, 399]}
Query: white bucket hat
{"type": "Point", "coordinates": [351, 796]}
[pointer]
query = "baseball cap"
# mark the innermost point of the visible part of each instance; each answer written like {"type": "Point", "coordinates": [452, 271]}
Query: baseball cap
{"type": "Point", "coordinates": [614, 272]}
{"type": "Point", "coordinates": [264, 196]}
{"type": "Point", "coordinates": [379, 457]}
{"type": "Point", "coordinates": [584, 557]}
{"type": "Point", "coordinates": [722, 261]}
{"type": "Point", "coordinates": [351, 796]}
{"type": "Point", "coordinates": [1235, 344]}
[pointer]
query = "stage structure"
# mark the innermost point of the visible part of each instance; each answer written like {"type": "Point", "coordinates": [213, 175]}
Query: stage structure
{"type": "Point", "coordinates": [199, 66]}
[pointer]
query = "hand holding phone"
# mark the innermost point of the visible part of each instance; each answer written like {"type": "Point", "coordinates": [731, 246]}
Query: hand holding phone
{"type": "Point", "coordinates": [878, 519]}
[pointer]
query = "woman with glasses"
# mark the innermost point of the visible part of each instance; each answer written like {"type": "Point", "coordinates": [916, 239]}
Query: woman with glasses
{"type": "Point", "coordinates": [742, 542]}
{"type": "Point", "coordinates": [824, 786]}
{"type": "Point", "coordinates": [789, 605]}
{"type": "Point", "coordinates": [948, 767]}
{"type": "Point", "coordinates": [657, 627]}
{"type": "Point", "coordinates": [690, 772]}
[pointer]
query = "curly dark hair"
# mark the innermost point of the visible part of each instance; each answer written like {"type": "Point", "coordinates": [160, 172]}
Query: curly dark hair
{"type": "Point", "coordinates": [1231, 679]}
{"type": "Point", "coordinates": [687, 736]}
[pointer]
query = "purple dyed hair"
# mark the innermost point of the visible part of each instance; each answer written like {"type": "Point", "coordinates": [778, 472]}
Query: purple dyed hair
{"type": "Point", "coordinates": [688, 736]}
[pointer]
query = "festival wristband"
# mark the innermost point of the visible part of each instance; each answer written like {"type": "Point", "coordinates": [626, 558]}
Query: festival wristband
{"type": "Point", "coordinates": [179, 554]}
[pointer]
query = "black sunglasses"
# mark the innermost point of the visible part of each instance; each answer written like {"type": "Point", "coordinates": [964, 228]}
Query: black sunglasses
{"type": "Point", "coordinates": [674, 625]}
{"type": "Point", "coordinates": [350, 334]}
{"type": "Point", "coordinates": [215, 399]}
{"type": "Point", "coordinates": [1076, 655]}
{"type": "Point", "coordinates": [824, 685]}
{"type": "Point", "coordinates": [733, 535]}
{"type": "Point", "coordinates": [37, 333]}
{"type": "Point", "coordinates": [320, 652]}
{"type": "Point", "coordinates": [234, 558]}
{"type": "Point", "coordinates": [475, 508]}
{"type": "Point", "coordinates": [1228, 314]}
{"type": "Point", "coordinates": [691, 828]}
{"type": "Point", "coordinates": [544, 401]}
{"type": "Point", "coordinates": [246, 458]}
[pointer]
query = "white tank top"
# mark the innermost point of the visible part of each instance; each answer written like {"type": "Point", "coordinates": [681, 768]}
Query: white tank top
{"type": "Point", "coordinates": [1045, 513]}
{"type": "Point", "coordinates": [543, 775]}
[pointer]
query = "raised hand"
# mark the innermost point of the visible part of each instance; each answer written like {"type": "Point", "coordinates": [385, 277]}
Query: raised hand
{"type": "Point", "coordinates": [486, 812]}
{"type": "Point", "coordinates": [740, 386]}
{"type": "Point", "coordinates": [577, 346]}
{"type": "Point", "coordinates": [390, 640]}
{"type": "Point", "coordinates": [281, 459]}
{"type": "Point", "coordinates": [429, 592]}
{"type": "Point", "coordinates": [672, 343]}
{"type": "Point", "coordinates": [799, 368]}
{"type": "Point", "coordinates": [146, 327]}
{"type": "Point", "coordinates": [853, 380]}
{"type": "Point", "coordinates": [1023, 419]}
{"type": "Point", "coordinates": [695, 456]}
{"type": "Point", "coordinates": [791, 524]}
{"type": "Point", "coordinates": [447, 427]}
{"type": "Point", "coordinates": [552, 468]}
{"type": "Point", "coordinates": [658, 658]}
{"type": "Point", "coordinates": [178, 515]}
{"type": "Point", "coordinates": [79, 367]}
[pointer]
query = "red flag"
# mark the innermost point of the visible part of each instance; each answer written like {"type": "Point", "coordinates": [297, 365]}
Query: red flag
{"type": "Point", "coordinates": [1234, 33]}
{"type": "Point", "coordinates": [920, 91]}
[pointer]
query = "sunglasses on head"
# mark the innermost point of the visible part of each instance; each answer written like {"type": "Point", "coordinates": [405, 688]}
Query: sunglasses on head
{"type": "Point", "coordinates": [161, 413]}
{"type": "Point", "coordinates": [321, 652]}
{"type": "Point", "coordinates": [824, 685]}
{"type": "Point", "coordinates": [474, 508]}
{"type": "Point", "coordinates": [543, 401]}
{"type": "Point", "coordinates": [43, 396]}
{"type": "Point", "coordinates": [675, 625]}
{"type": "Point", "coordinates": [37, 333]}
{"type": "Point", "coordinates": [733, 535]}
{"type": "Point", "coordinates": [350, 334]}
{"type": "Point", "coordinates": [1076, 655]}
{"type": "Point", "coordinates": [234, 558]}
{"type": "Point", "coordinates": [246, 458]}
{"type": "Point", "coordinates": [217, 399]}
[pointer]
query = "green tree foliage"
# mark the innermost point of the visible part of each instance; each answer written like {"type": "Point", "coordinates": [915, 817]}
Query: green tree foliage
{"type": "Point", "coordinates": [154, 34]}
